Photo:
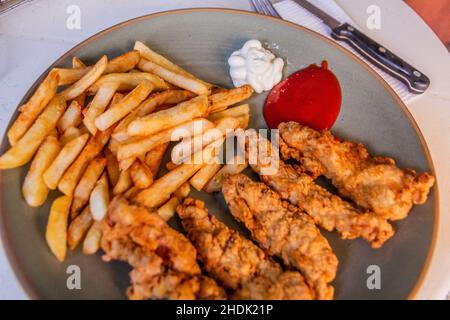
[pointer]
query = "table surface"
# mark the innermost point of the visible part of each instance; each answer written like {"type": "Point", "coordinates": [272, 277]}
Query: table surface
{"type": "Point", "coordinates": [35, 34]}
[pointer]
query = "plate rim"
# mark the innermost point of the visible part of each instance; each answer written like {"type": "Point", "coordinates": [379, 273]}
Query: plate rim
{"type": "Point", "coordinates": [27, 284]}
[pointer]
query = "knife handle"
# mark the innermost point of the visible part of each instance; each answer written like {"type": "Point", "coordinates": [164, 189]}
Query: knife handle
{"type": "Point", "coordinates": [415, 80]}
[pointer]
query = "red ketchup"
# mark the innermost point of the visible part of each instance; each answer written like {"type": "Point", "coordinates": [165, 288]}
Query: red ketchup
{"type": "Point", "coordinates": [311, 96]}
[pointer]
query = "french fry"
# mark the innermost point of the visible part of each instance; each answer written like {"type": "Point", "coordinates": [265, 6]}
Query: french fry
{"type": "Point", "coordinates": [70, 134]}
{"type": "Point", "coordinates": [99, 199]}
{"type": "Point", "coordinates": [112, 167]}
{"type": "Point", "coordinates": [235, 166]}
{"type": "Point", "coordinates": [56, 232]}
{"type": "Point", "coordinates": [168, 118]}
{"type": "Point", "coordinates": [123, 63]}
{"type": "Point", "coordinates": [151, 55]}
{"type": "Point", "coordinates": [31, 110]}
{"type": "Point", "coordinates": [129, 81]}
{"type": "Point", "coordinates": [154, 158]}
{"type": "Point", "coordinates": [124, 182]}
{"type": "Point", "coordinates": [81, 99]}
{"type": "Point", "coordinates": [183, 191]}
{"type": "Point", "coordinates": [87, 80]}
{"type": "Point", "coordinates": [77, 63]}
{"type": "Point", "coordinates": [123, 107]}
{"type": "Point", "coordinates": [201, 178]}
{"type": "Point", "coordinates": [125, 164]}
{"type": "Point", "coordinates": [190, 145]}
{"type": "Point", "coordinates": [182, 81]}
{"type": "Point", "coordinates": [170, 165]}
{"type": "Point", "coordinates": [121, 130]}
{"type": "Point", "coordinates": [91, 242]}
{"type": "Point", "coordinates": [86, 184]}
{"type": "Point", "coordinates": [161, 189]}
{"type": "Point", "coordinates": [243, 121]}
{"type": "Point", "coordinates": [159, 98]}
{"type": "Point", "coordinates": [70, 118]}
{"type": "Point", "coordinates": [23, 150]}
{"type": "Point", "coordinates": [231, 112]}
{"type": "Point", "coordinates": [222, 100]}
{"type": "Point", "coordinates": [167, 210]}
{"type": "Point", "coordinates": [79, 227]}
{"type": "Point", "coordinates": [93, 147]}
{"type": "Point", "coordinates": [141, 175]}
{"type": "Point", "coordinates": [68, 76]}
{"type": "Point", "coordinates": [34, 189]}
{"type": "Point", "coordinates": [141, 146]}
{"type": "Point", "coordinates": [99, 104]}
{"type": "Point", "coordinates": [132, 192]}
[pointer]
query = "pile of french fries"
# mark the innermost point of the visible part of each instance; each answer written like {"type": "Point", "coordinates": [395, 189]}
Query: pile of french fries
{"type": "Point", "coordinates": [92, 132]}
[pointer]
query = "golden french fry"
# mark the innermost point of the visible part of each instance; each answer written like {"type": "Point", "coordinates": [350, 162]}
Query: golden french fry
{"type": "Point", "coordinates": [235, 166]}
{"type": "Point", "coordinates": [182, 81]}
{"type": "Point", "coordinates": [68, 76]}
{"type": "Point", "coordinates": [167, 210]}
{"type": "Point", "coordinates": [70, 134]}
{"type": "Point", "coordinates": [161, 189]}
{"type": "Point", "coordinates": [170, 165]}
{"type": "Point", "coordinates": [123, 107]}
{"type": "Point", "coordinates": [79, 227]}
{"type": "Point", "coordinates": [87, 80]}
{"type": "Point", "coordinates": [112, 167]}
{"type": "Point", "coordinates": [141, 175]}
{"type": "Point", "coordinates": [91, 242]}
{"type": "Point", "coordinates": [121, 130]}
{"type": "Point", "coordinates": [165, 119]}
{"type": "Point", "coordinates": [132, 192]}
{"type": "Point", "coordinates": [123, 63]}
{"type": "Point", "coordinates": [86, 184]}
{"type": "Point", "coordinates": [99, 199]}
{"type": "Point", "coordinates": [141, 146]}
{"type": "Point", "coordinates": [77, 63]}
{"type": "Point", "coordinates": [31, 110]}
{"type": "Point", "coordinates": [81, 99]}
{"type": "Point", "coordinates": [151, 55]}
{"type": "Point", "coordinates": [99, 104]}
{"type": "Point", "coordinates": [164, 97]}
{"type": "Point", "coordinates": [23, 150]}
{"type": "Point", "coordinates": [93, 147]}
{"type": "Point", "coordinates": [190, 145]}
{"type": "Point", "coordinates": [154, 158]}
{"type": "Point", "coordinates": [124, 182]}
{"type": "Point", "coordinates": [222, 100]}
{"type": "Point", "coordinates": [183, 191]}
{"type": "Point", "coordinates": [56, 232]}
{"type": "Point", "coordinates": [243, 121]}
{"type": "Point", "coordinates": [129, 81]}
{"type": "Point", "coordinates": [201, 178]}
{"type": "Point", "coordinates": [125, 164]}
{"type": "Point", "coordinates": [34, 189]}
{"type": "Point", "coordinates": [231, 112]}
{"type": "Point", "coordinates": [70, 118]}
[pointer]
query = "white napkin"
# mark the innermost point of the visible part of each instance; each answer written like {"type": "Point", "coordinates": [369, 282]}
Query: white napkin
{"type": "Point", "coordinates": [293, 12]}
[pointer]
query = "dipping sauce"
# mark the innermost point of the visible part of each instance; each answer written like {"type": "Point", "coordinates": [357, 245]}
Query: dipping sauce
{"type": "Point", "coordinates": [311, 96]}
{"type": "Point", "coordinates": [256, 66]}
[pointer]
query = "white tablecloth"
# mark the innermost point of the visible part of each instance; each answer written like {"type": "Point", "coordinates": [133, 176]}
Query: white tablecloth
{"type": "Point", "coordinates": [34, 35]}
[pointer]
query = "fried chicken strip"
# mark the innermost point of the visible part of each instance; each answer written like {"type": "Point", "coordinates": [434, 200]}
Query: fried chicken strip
{"type": "Point", "coordinates": [164, 261]}
{"type": "Point", "coordinates": [283, 230]}
{"type": "Point", "coordinates": [236, 262]}
{"type": "Point", "coordinates": [372, 182]}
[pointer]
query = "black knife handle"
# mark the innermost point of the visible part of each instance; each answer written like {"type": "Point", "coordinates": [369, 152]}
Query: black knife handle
{"type": "Point", "coordinates": [415, 80]}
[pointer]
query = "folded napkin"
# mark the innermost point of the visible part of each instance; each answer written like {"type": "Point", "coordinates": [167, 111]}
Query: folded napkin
{"type": "Point", "coordinates": [293, 12]}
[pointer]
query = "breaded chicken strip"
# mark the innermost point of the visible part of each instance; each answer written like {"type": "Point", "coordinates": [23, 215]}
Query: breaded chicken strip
{"type": "Point", "coordinates": [164, 260]}
{"type": "Point", "coordinates": [283, 230]}
{"type": "Point", "coordinates": [236, 262]}
{"type": "Point", "coordinates": [374, 183]}
{"type": "Point", "coordinates": [328, 210]}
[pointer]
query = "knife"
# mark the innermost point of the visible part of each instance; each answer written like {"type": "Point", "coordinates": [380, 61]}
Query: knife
{"type": "Point", "coordinates": [415, 81]}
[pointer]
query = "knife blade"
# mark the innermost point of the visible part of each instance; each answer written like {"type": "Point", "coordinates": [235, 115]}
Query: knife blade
{"type": "Point", "coordinates": [416, 81]}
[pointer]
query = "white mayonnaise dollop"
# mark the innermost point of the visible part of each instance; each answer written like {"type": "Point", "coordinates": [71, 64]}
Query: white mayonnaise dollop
{"type": "Point", "coordinates": [256, 66]}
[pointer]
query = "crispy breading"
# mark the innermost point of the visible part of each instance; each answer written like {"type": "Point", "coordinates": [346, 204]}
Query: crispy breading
{"type": "Point", "coordinates": [283, 230]}
{"type": "Point", "coordinates": [372, 182]}
{"type": "Point", "coordinates": [236, 262]}
{"type": "Point", "coordinates": [164, 260]}
{"type": "Point", "coordinates": [328, 210]}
